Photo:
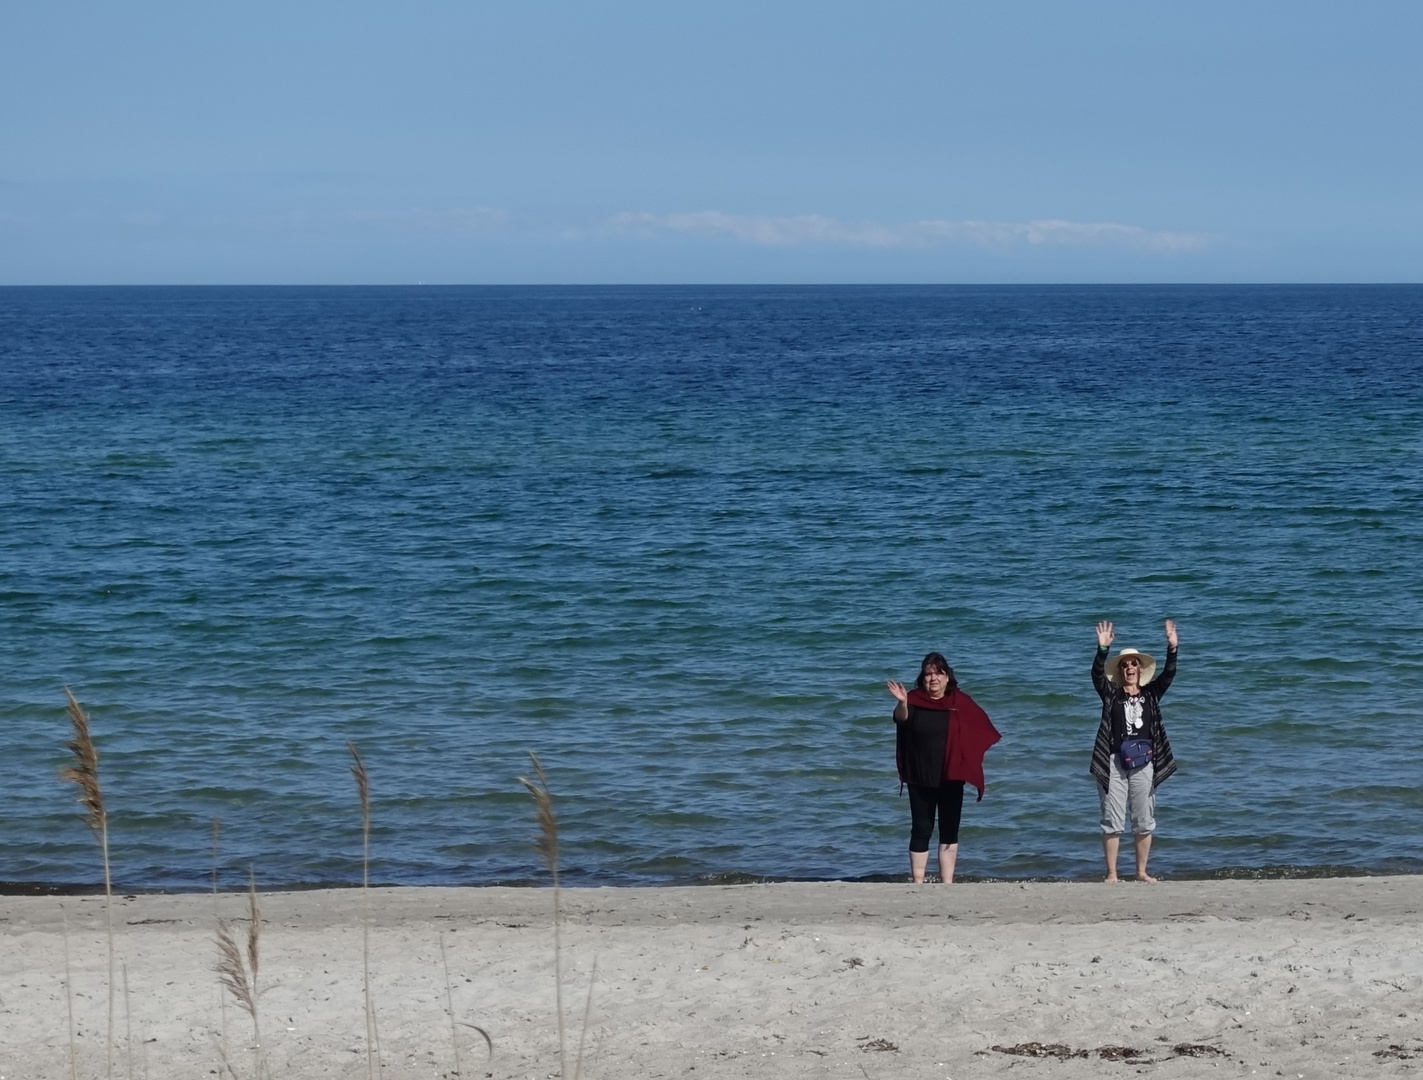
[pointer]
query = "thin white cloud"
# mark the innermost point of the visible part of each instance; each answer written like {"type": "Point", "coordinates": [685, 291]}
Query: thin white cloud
{"type": "Point", "coordinates": [799, 229]}
{"type": "Point", "coordinates": [472, 219]}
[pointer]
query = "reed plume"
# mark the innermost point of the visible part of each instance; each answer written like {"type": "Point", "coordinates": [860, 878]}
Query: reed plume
{"type": "Point", "coordinates": [238, 972]}
{"type": "Point", "coordinates": [546, 839]}
{"type": "Point", "coordinates": [231, 971]}
{"type": "Point", "coordinates": [254, 928]}
{"type": "Point", "coordinates": [546, 843]}
{"type": "Point", "coordinates": [84, 774]}
{"type": "Point", "coordinates": [85, 770]}
{"type": "Point", "coordinates": [363, 789]}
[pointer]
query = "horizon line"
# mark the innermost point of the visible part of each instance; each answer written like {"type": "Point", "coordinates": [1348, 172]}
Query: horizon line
{"type": "Point", "coordinates": [1384, 283]}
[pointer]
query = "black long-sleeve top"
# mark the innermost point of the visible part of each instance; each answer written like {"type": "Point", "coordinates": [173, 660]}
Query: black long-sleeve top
{"type": "Point", "coordinates": [1110, 730]}
{"type": "Point", "coordinates": [1116, 701]}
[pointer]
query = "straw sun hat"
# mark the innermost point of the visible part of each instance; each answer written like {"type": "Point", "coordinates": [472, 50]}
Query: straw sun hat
{"type": "Point", "coordinates": [1148, 666]}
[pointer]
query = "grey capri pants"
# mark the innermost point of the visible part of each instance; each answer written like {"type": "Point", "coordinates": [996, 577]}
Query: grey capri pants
{"type": "Point", "coordinates": [1128, 789]}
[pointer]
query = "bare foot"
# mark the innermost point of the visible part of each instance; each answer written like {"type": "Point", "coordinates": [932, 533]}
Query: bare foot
{"type": "Point", "coordinates": [1146, 878]}
{"type": "Point", "coordinates": [1111, 879]}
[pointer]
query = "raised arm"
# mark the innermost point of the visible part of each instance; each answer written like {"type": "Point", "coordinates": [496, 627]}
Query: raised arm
{"type": "Point", "coordinates": [1162, 682]}
{"type": "Point", "coordinates": [901, 700]}
{"type": "Point", "coordinates": [1105, 636]}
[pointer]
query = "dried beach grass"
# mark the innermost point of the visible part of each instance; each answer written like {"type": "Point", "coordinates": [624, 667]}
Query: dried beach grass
{"type": "Point", "coordinates": [217, 916]}
{"type": "Point", "coordinates": [84, 774]}
{"type": "Point", "coordinates": [363, 790]}
{"type": "Point", "coordinates": [546, 844]}
{"type": "Point", "coordinates": [239, 961]}
{"type": "Point", "coordinates": [450, 1004]}
{"type": "Point", "coordinates": [69, 998]}
{"type": "Point", "coordinates": [237, 971]}
{"type": "Point", "coordinates": [587, 1019]}
{"type": "Point", "coordinates": [128, 1026]}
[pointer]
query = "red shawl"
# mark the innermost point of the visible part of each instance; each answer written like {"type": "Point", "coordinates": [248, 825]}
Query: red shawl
{"type": "Point", "coordinates": [971, 734]}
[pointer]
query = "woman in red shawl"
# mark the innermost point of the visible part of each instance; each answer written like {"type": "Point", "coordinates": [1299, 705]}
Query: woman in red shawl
{"type": "Point", "coordinates": [941, 736]}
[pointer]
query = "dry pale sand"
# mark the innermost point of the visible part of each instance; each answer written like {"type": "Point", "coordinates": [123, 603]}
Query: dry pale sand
{"type": "Point", "coordinates": [1320, 978]}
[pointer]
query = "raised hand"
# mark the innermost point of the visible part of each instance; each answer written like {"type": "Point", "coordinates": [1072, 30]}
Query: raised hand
{"type": "Point", "coordinates": [1171, 638]}
{"type": "Point", "coordinates": [900, 694]}
{"type": "Point", "coordinates": [1105, 634]}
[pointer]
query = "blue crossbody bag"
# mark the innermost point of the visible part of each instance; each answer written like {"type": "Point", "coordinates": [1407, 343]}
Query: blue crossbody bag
{"type": "Point", "coordinates": [1135, 753]}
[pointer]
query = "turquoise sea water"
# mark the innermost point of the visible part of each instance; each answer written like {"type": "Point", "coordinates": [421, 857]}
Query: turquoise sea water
{"type": "Point", "coordinates": [674, 540]}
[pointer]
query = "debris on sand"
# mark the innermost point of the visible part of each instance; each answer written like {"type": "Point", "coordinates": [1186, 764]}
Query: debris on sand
{"type": "Point", "coordinates": [1041, 1050]}
{"type": "Point", "coordinates": [1122, 1053]}
{"type": "Point", "coordinates": [883, 1045]}
{"type": "Point", "coordinates": [1197, 1050]}
{"type": "Point", "coordinates": [1395, 1051]}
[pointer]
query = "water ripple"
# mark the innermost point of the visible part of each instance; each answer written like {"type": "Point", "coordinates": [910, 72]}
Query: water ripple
{"type": "Point", "coordinates": [674, 540]}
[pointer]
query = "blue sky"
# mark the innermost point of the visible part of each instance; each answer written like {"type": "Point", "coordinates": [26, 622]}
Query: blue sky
{"type": "Point", "coordinates": [354, 142]}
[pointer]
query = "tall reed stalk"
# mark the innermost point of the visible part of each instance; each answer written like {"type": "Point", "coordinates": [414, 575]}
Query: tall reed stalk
{"type": "Point", "coordinates": [363, 789]}
{"type": "Point", "coordinates": [84, 773]}
{"type": "Point", "coordinates": [546, 843]}
{"type": "Point", "coordinates": [450, 1004]}
{"type": "Point", "coordinates": [587, 1018]}
{"type": "Point", "coordinates": [69, 998]}
{"type": "Point", "coordinates": [217, 916]}
{"type": "Point", "coordinates": [128, 1026]}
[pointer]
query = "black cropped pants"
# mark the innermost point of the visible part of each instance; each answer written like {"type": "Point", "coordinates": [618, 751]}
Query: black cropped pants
{"type": "Point", "coordinates": [924, 802]}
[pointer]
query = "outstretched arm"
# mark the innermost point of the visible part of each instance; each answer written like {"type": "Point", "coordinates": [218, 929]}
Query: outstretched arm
{"type": "Point", "coordinates": [901, 699]}
{"type": "Point", "coordinates": [1105, 636]}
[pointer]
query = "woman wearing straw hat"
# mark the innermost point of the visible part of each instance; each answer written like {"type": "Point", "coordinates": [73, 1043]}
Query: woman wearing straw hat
{"type": "Point", "coordinates": [1132, 755]}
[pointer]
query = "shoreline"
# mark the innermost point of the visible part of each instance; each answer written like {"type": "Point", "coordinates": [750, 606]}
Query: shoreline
{"type": "Point", "coordinates": [1304, 977]}
{"type": "Point", "coordinates": [729, 880]}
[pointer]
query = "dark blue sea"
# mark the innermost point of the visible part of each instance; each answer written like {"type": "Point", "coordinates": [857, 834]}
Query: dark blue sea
{"type": "Point", "coordinates": [674, 541]}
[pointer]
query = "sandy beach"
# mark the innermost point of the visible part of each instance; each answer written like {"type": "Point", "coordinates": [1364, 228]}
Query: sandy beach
{"type": "Point", "coordinates": [1301, 978]}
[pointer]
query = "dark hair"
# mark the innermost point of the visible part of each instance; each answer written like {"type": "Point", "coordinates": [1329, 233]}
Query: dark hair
{"type": "Point", "coordinates": [936, 661]}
